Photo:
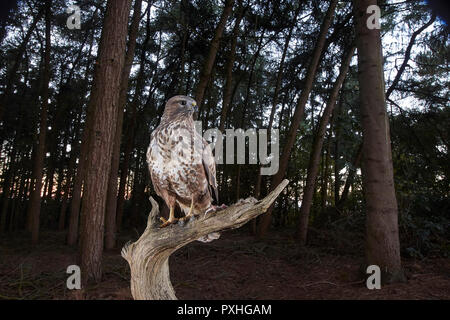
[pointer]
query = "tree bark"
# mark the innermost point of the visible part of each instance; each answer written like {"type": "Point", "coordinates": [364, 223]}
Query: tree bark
{"type": "Point", "coordinates": [337, 165]}
{"type": "Point", "coordinates": [63, 209]}
{"type": "Point", "coordinates": [34, 207]}
{"type": "Point", "coordinates": [130, 129]}
{"type": "Point", "coordinates": [325, 178]}
{"type": "Point", "coordinates": [314, 159]}
{"type": "Point", "coordinates": [148, 257]}
{"type": "Point", "coordinates": [184, 41]}
{"type": "Point", "coordinates": [209, 62]}
{"type": "Point", "coordinates": [111, 201]}
{"type": "Point", "coordinates": [7, 186]}
{"type": "Point", "coordinates": [104, 96]}
{"type": "Point", "coordinates": [299, 111]}
{"type": "Point", "coordinates": [70, 177]}
{"type": "Point", "coordinates": [382, 238]}
{"type": "Point", "coordinates": [392, 87]}
{"type": "Point", "coordinates": [72, 233]}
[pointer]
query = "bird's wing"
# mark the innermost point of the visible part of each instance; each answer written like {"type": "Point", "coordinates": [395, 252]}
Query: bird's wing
{"type": "Point", "coordinates": [209, 165]}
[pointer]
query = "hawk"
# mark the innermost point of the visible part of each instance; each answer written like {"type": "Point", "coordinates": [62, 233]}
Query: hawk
{"type": "Point", "coordinates": [181, 164]}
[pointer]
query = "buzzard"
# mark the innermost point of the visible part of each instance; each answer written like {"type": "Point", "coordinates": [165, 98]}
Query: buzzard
{"type": "Point", "coordinates": [181, 163]}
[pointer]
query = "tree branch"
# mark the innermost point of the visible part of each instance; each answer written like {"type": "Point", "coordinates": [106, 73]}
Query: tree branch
{"type": "Point", "coordinates": [148, 257]}
{"type": "Point", "coordinates": [408, 55]}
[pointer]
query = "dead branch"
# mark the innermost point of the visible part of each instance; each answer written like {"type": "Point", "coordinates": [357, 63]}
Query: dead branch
{"type": "Point", "coordinates": [148, 257]}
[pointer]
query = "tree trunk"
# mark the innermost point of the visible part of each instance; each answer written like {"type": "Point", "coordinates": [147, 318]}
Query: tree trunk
{"type": "Point", "coordinates": [63, 209]}
{"type": "Point", "coordinates": [314, 159]}
{"type": "Point", "coordinates": [7, 186]}
{"type": "Point", "coordinates": [148, 257]}
{"type": "Point", "coordinates": [72, 233]}
{"type": "Point", "coordinates": [280, 70]}
{"type": "Point", "coordinates": [382, 238]}
{"type": "Point", "coordinates": [299, 111]}
{"type": "Point", "coordinates": [209, 62]}
{"type": "Point", "coordinates": [357, 159]}
{"type": "Point", "coordinates": [111, 202]}
{"type": "Point", "coordinates": [228, 90]}
{"type": "Point", "coordinates": [130, 129]}
{"type": "Point", "coordinates": [350, 177]}
{"type": "Point", "coordinates": [34, 207]}
{"type": "Point", "coordinates": [59, 183]}
{"type": "Point", "coordinates": [337, 166]}
{"type": "Point", "coordinates": [51, 168]}
{"type": "Point", "coordinates": [104, 96]}
{"type": "Point", "coordinates": [69, 179]}
{"type": "Point", "coordinates": [184, 42]}
{"type": "Point", "coordinates": [324, 187]}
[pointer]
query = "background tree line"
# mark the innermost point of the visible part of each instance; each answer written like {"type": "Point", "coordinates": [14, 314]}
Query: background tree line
{"type": "Point", "coordinates": [77, 108]}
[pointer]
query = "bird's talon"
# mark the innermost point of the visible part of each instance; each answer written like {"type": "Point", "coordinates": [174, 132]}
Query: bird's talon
{"type": "Point", "coordinates": [186, 218]}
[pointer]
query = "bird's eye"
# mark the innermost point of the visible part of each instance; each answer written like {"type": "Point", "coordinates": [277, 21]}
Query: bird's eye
{"type": "Point", "coordinates": [183, 102]}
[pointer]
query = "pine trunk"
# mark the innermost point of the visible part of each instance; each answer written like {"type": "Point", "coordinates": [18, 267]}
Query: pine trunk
{"type": "Point", "coordinates": [130, 129]}
{"type": "Point", "coordinates": [34, 207]}
{"type": "Point", "coordinates": [104, 96]}
{"type": "Point", "coordinates": [111, 202]}
{"type": "Point", "coordinates": [313, 167]}
{"type": "Point", "coordinates": [228, 90]}
{"type": "Point", "coordinates": [382, 238]}
{"type": "Point", "coordinates": [73, 229]}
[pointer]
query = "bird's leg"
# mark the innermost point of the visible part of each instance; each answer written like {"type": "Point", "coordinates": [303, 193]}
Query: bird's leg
{"type": "Point", "coordinates": [172, 218]}
{"type": "Point", "coordinates": [190, 213]}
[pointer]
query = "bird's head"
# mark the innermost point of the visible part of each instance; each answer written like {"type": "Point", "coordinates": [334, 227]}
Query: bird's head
{"type": "Point", "coordinates": [180, 105]}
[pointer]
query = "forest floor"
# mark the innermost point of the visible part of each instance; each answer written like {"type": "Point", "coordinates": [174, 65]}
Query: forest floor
{"type": "Point", "coordinates": [234, 267]}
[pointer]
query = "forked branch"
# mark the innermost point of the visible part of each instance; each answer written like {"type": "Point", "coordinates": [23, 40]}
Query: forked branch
{"type": "Point", "coordinates": [148, 257]}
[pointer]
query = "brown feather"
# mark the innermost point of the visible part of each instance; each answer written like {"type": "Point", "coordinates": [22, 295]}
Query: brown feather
{"type": "Point", "coordinates": [172, 159]}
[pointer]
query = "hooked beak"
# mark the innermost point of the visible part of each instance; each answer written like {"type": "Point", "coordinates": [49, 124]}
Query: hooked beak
{"type": "Point", "coordinates": [194, 106]}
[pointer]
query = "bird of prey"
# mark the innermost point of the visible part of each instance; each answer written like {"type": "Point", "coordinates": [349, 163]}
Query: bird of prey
{"type": "Point", "coordinates": [181, 163]}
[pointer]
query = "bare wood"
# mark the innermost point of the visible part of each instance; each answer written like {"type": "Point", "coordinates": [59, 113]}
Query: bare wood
{"type": "Point", "coordinates": [148, 257]}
